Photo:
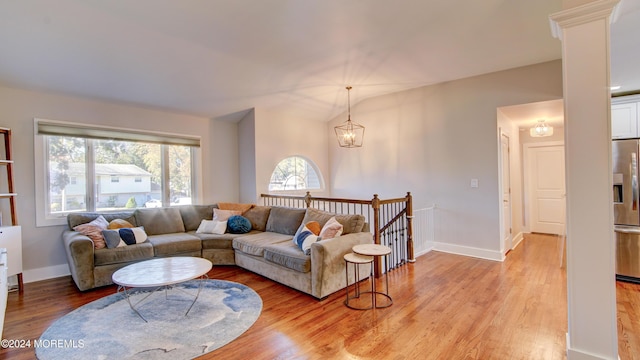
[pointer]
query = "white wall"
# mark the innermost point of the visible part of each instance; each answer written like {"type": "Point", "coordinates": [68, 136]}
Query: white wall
{"type": "Point", "coordinates": [43, 254]}
{"type": "Point", "coordinates": [221, 180]}
{"type": "Point", "coordinates": [279, 135]}
{"type": "Point", "coordinates": [515, 174]}
{"type": "Point", "coordinates": [247, 157]}
{"type": "Point", "coordinates": [432, 141]}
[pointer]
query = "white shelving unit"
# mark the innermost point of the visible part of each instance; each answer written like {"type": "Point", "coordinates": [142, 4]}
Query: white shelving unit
{"type": "Point", "coordinates": [11, 236]}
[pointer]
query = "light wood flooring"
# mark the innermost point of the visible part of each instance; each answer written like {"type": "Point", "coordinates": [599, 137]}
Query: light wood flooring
{"type": "Point", "coordinates": [445, 307]}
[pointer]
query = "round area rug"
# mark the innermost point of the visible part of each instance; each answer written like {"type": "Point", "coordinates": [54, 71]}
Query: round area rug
{"type": "Point", "coordinates": [108, 329]}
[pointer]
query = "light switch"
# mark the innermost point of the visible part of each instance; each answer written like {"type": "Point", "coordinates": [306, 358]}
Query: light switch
{"type": "Point", "coordinates": [474, 183]}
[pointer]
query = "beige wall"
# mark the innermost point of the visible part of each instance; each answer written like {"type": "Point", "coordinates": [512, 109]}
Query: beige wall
{"type": "Point", "coordinates": [432, 141]}
{"type": "Point", "coordinates": [43, 255]}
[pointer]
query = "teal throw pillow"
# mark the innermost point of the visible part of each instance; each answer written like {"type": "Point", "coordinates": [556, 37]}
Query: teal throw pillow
{"type": "Point", "coordinates": [237, 224]}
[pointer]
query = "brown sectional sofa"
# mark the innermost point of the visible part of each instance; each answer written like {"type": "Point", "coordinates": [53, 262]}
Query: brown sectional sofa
{"type": "Point", "coordinates": [267, 249]}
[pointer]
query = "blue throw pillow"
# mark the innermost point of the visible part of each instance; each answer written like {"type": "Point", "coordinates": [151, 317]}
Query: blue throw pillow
{"type": "Point", "coordinates": [238, 224]}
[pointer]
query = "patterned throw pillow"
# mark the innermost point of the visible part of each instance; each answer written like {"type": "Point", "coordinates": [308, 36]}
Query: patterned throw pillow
{"type": "Point", "coordinates": [238, 224]}
{"type": "Point", "coordinates": [212, 227]}
{"type": "Point", "coordinates": [93, 230]}
{"type": "Point", "coordinates": [304, 238]}
{"type": "Point", "coordinates": [124, 236]}
{"type": "Point", "coordinates": [331, 229]}
{"type": "Point", "coordinates": [314, 226]}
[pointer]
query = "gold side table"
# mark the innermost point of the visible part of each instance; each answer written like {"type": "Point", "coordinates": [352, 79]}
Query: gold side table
{"type": "Point", "coordinates": [382, 251]}
{"type": "Point", "coordinates": [356, 260]}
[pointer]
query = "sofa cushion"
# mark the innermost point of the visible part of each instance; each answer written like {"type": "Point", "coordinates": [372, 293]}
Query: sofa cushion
{"type": "Point", "coordinates": [159, 221]}
{"type": "Point", "coordinates": [253, 244]}
{"type": "Point", "coordinates": [222, 241]}
{"type": "Point", "coordinates": [173, 244]}
{"type": "Point", "coordinates": [136, 252]}
{"type": "Point", "coordinates": [258, 215]}
{"type": "Point", "coordinates": [289, 256]}
{"type": "Point", "coordinates": [285, 220]}
{"type": "Point", "coordinates": [351, 223]}
{"type": "Point", "coordinates": [75, 219]}
{"type": "Point", "coordinates": [192, 215]}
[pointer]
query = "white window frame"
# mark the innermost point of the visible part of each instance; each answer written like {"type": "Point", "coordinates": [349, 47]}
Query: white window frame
{"type": "Point", "coordinates": [43, 218]}
{"type": "Point", "coordinates": [299, 191]}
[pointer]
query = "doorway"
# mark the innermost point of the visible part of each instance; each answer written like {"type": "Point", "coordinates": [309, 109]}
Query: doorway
{"type": "Point", "coordinates": [545, 187]}
{"type": "Point", "coordinates": [516, 122]}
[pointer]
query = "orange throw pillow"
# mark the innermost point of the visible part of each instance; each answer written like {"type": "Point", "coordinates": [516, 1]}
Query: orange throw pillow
{"type": "Point", "coordinates": [119, 224]}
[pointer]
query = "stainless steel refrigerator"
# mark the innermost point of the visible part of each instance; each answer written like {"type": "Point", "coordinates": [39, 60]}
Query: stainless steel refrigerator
{"type": "Point", "coordinates": [626, 208]}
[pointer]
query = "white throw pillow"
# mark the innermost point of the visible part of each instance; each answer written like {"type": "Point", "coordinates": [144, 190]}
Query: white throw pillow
{"type": "Point", "coordinates": [212, 227]}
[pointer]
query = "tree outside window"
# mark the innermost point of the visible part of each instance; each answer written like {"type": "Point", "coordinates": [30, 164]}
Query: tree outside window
{"type": "Point", "coordinates": [125, 174]}
{"type": "Point", "coordinates": [294, 173]}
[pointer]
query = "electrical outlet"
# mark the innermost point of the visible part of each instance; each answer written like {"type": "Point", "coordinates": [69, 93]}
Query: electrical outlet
{"type": "Point", "coordinates": [474, 183]}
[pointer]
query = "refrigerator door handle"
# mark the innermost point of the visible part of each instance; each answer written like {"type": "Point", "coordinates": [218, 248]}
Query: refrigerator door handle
{"type": "Point", "coordinates": [634, 181]}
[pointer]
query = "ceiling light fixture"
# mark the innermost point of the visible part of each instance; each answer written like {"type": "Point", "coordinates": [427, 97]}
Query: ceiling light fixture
{"type": "Point", "coordinates": [349, 134]}
{"type": "Point", "coordinates": [541, 129]}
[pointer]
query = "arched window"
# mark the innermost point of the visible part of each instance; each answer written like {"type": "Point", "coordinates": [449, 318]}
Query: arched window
{"type": "Point", "coordinates": [295, 173]}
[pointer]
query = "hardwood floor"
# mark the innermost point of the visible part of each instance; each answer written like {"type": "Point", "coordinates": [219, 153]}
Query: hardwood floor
{"type": "Point", "coordinates": [445, 307]}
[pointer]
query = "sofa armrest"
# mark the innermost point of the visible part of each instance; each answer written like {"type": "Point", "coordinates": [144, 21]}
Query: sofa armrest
{"type": "Point", "coordinates": [80, 255]}
{"type": "Point", "coordinates": [327, 262]}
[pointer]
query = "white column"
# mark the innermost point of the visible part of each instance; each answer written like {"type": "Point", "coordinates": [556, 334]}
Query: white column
{"type": "Point", "coordinates": [584, 31]}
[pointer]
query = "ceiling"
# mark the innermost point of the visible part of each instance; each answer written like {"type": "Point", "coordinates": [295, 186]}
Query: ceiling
{"type": "Point", "coordinates": [220, 58]}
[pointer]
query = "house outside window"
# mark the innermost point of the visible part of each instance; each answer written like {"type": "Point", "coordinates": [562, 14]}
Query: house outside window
{"type": "Point", "coordinates": [88, 174]}
{"type": "Point", "coordinates": [295, 173]}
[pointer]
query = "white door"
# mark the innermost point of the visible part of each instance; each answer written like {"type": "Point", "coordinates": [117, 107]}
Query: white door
{"type": "Point", "coordinates": [506, 192]}
{"type": "Point", "coordinates": [546, 189]}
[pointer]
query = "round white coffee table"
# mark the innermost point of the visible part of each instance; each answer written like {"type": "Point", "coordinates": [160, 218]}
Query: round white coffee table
{"type": "Point", "coordinates": [160, 273]}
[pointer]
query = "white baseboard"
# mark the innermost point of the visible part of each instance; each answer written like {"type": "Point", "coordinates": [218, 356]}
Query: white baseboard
{"type": "Point", "coordinates": [45, 273]}
{"type": "Point", "coordinates": [430, 247]}
{"type": "Point", "coordinates": [469, 251]}
{"type": "Point", "coordinates": [573, 354]}
{"type": "Point", "coordinates": [517, 240]}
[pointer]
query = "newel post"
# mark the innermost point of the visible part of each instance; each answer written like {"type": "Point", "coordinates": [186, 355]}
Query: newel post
{"type": "Point", "coordinates": [375, 205]}
{"type": "Point", "coordinates": [307, 199]}
{"type": "Point", "coordinates": [410, 228]}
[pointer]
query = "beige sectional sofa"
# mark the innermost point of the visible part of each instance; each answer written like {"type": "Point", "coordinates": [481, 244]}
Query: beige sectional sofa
{"type": "Point", "coordinates": [267, 249]}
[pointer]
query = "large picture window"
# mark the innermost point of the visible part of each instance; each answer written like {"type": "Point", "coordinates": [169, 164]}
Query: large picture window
{"type": "Point", "coordinates": [86, 173]}
{"type": "Point", "coordinates": [295, 173]}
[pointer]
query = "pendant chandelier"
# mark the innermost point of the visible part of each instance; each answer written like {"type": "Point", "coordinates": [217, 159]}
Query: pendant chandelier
{"type": "Point", "coordinates": [349, 134]}
{"type": "Point", "coordinates": [541, 129]}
